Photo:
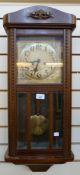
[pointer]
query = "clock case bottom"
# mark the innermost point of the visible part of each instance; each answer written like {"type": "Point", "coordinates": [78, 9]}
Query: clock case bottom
{"type": "Point", "coordinates": [39, 162]}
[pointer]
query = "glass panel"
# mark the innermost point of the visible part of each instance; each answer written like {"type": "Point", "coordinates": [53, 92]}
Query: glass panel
{"type": "Point", "coordinates": [58, 117]}
{"type": "Point", "coordinates": [21, 118]}
{"type": "Point", "coordinates": [39, 59]}
{"type": "Point", "coordinates": [40, 121]}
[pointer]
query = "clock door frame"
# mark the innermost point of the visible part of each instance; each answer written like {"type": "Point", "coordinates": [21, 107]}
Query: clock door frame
{"type": "Point", "coordinates": [41, 27]}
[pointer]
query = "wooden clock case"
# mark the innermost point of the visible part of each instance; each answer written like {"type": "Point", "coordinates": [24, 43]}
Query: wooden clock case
{"type": "Point", "coordinates": [39, 21]}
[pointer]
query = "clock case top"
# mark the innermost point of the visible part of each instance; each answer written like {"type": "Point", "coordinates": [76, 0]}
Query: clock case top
{"type": "Point", "coordinates": [38, 17]}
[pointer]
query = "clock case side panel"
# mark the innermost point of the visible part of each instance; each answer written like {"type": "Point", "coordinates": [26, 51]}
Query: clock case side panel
{"type": "Point", "coordinates": [11, 93]}
{"type": "Point", "coordinates": [67, 95]}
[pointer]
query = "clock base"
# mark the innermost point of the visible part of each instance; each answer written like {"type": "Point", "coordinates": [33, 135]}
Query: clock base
{"type": "Point", "coordinates": [39, 168]}
{"type": "Point", "coordinates": [38, 162]}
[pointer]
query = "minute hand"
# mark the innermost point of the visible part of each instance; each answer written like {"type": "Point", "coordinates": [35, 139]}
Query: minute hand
{"type": "Point", "coordinates": [36, 66]}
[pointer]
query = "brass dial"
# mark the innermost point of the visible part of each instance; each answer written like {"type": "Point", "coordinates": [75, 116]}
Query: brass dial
{"type": "Point", "coordinates": [37, 60]}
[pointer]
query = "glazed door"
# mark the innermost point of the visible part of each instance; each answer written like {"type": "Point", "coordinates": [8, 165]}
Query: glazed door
{"type": "Point", "coordinates": [40, 90]}
{"type": "Point", "coordinates": [39, 120]}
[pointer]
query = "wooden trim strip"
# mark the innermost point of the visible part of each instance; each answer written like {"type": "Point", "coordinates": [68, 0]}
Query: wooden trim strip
{"type": "Point", "coordinates": [77, 126]}
{"type": "Point", "coordinates": [75, 143]}
{"type": "Point", "coordinates": [6, 36]}
{"type": "Point", "coordinates": [3, 144]}
{"type": "Point", "coordinates": [61, 2]}
{"type": "Point", "coordinates": [3, 90]}
{"type": "Point", "coordinates": [73, 90]}
{"type": "Point", "coordinates": [3, 54]}
{"type": "Point", "coordinates": [76, 36]}
{"type": "Point", "coordinates": [78, 19]}
{"type": "Point", "coordinates": [3, 72]}
{"type": "Point", "coordinates": [77, 160]}
{"type": "Point", "coordinates": [75, 54]}
{"type": "Point", "coordinates": [74, 72]}
{"type": "Point", "coordinates": [2, 161]}
{"type": "Point", "coordinates": [3, 36]}
{"type": "Point", "coordinates": [75, 108]}
{"type": "Point", "coordinates": [3, 126]}
{"type": "Point", "coordinates": [3, 108]}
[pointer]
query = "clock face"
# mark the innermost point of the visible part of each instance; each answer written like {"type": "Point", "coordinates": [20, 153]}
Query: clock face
{"type": "Point", "coordinates": [38, 60]}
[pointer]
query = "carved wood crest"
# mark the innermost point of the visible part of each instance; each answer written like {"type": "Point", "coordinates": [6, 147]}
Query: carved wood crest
{"type": "Point", "coordinates": [41, 14]}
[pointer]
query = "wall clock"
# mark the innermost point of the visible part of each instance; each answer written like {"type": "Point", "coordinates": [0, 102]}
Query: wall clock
{"type": "Point", "coordinates": [39, 45]}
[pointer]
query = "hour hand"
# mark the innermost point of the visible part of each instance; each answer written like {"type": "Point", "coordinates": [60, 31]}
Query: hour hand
{"type": "Point", "coordinates": [36, 61]}
{"type": "Point", "coordinates": [35, 64]}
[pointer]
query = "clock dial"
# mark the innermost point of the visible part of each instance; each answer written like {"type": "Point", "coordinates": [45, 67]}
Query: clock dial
{"type": "Point", "coordinates": [38, 60]}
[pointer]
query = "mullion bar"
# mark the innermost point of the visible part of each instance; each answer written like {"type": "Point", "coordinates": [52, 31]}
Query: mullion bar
{"type": "Point", "coordinates": [51, 111]}
{"type": "Point", "coordinates": [28, 123]}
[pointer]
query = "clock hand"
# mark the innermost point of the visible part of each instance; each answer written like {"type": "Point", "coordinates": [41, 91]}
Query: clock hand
{"type": "Point", "coordinates": [36, 66]}
{"type": "Point", "coordinates": [38, 60]}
